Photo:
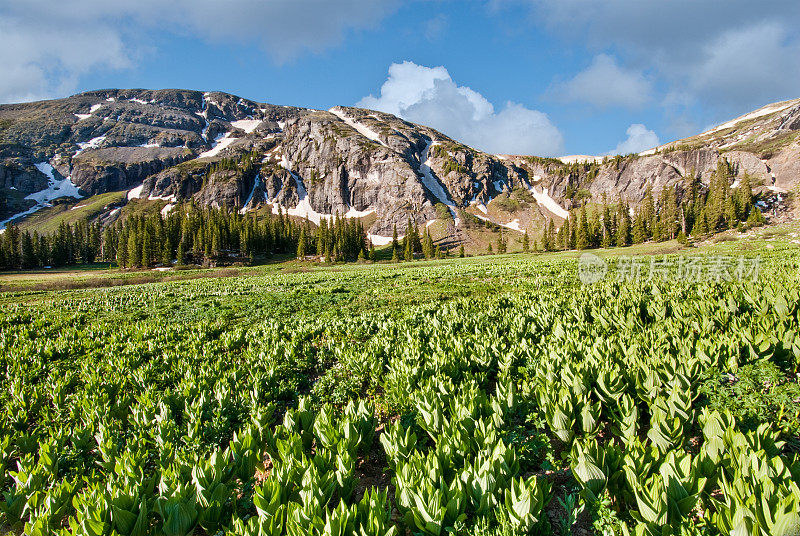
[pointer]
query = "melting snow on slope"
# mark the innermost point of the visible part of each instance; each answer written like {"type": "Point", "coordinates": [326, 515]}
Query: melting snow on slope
{"type": "Point", "coordinates": [361, 129]}
{"type": "Point", "coordinates": [379, 240]}
{"type": "Point", "coordinates": [94, 143]}
{"type": "Point", "coordinates": [256, 183]}
{"type": "Point", "coordinates": [135, 193]}
{"type": "Point", "coordinates": [81, 117]}
{"type": "Point", "coordinates": [55, 189]}
{"type": "Point", "coordinates": [167, 208]}
{"type": "Point", "coordinates": [544, 199]}
{"type": "Point", "coordinates": [766, 110]}
{"type": "Point", "coordinates": [353, 213]}
{"type": "Point", "coordinates": [220, 143]}
{"type": "Point", "coordinates": [171, 198]}
{"type": "Point", "coordinates": [433, 185]}
{"type": "Point", "coordinates": [513, 224]}
{"type": "Point", "coordinates": [248, 125]}
{"type": "Point", "coordinates": [303, 208]}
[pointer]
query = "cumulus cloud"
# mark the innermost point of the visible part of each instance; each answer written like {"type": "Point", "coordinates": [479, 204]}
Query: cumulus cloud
{"type": "Point", "coordinates": [750, 66]}
{"type": "Point", "coordinates": [731, 55]}
{"type": "Point", "coordinates": [46, 45]}
{"type": "Point", "coordinates": [429, 96]}
{"type": "Point", "coordinates": [639, 139]}
{"type": "Point", "coordinates": [605, 84]}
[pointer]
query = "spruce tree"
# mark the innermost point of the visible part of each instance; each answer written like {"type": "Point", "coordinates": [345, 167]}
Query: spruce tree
{"type": "Point", "coordinates": [526, 246]}
{"type": "Point", "coordinates": [301, 244]}
{"type": "Point", "coordinates": [461, 251]}
{"type": "Point", "coordinates": [582, 231]}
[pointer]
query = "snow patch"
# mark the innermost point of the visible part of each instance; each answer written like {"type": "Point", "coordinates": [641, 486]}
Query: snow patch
{"type": "Point", "coordinates": [95, 107]}
{"type": "Point", "coordinates": [580, 159]}
{"type": "Point", "coordinates": [361, 129]}
{"type": "Point", "coordinates": [248, 125]}
{"type": "Point", "coordinates": [81, 117]}
{"type": "Point", "coordinates": [256, 183]}
{"type": "Point", "coordinates": [761, 112]}
{"type": "Point", "coordinates": [221, 142]}
{"type": "Point", "coordinates": [94, 143]}
{"type": "Point", "coordinates": [167, 208]}
{"type": "Point", "coordinates": [353, 213]}
{"type": "Point", "coordinates": [140, 101]}
{"type": "Point", "coordinates": [513, 224]}
{"type": "Point", "coordinates": [55, 189]}
{"type": "Point", "coordinates": [379, 240]}
{"type": "Point", "coordinates": [135, 193]}
{"type": "Point", "coordinates": [544, 199]}
{"type": "Point", "coordinates": [171, 198]}
{"type": "Point", "coordinates": [433, 185]}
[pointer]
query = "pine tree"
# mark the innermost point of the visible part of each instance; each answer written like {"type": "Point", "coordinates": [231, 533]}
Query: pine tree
{"type": "Point", "coordinates": [461, 251]}
{"type": "Point", "coordinates": [427, 245]}
{"type": "Point", "coordinates": [181, 260]}
{"type": "Point", "coordinates": [395, 256]}
{"type": "Point", "coordinates": [28, 251]}
{"type": "Point", "coordinates": [408, 253]}
{"type": "Point", "coordinates": [582, 231]}
{"type": "Point", "coordinates": [526, 246]}
{"type": "Point", "coordinates": [301, 244]}
{"type": "Point", "coordinates": [371, 252]}
{"type": "Point", "coordinates": [624, 227]}
{"type": "Point", "coordinates": [639, 228]}
{"type": "Point", "coordinates": [146, 258]}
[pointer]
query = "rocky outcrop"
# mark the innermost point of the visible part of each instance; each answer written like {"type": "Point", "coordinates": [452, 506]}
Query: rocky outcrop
{"type": "Point", "coordinates": [222, 150]}
{"type": "Point", "coordinates": [121, 168]}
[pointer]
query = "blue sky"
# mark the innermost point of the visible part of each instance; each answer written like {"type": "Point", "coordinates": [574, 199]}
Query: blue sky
{"type": "Point", "coordinates": [506, 76]}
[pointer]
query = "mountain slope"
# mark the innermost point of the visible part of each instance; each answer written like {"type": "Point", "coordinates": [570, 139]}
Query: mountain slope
{"type": "Point", "coordinates": [221, 150]}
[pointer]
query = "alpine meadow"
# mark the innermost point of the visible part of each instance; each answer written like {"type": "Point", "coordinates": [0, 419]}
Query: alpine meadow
{"type": "Point", "coordinates": [411, 315]}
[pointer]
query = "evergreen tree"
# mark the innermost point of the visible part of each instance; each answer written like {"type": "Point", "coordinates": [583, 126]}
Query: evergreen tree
{"type": "Point", "coordinates": [301, 244]}
{"type": "Point", "coordinates": [427, 245]}
{"type": "Point", "coordinates": [461, 251]}
{"type": "Point", "coordinates": [526, 246]}
{"type": "Point", "coordinates": [28, 251]}
{"type": "Point", "coordinates": [582, 231]}
{"type": "Point", "coordinates": [408, 254]}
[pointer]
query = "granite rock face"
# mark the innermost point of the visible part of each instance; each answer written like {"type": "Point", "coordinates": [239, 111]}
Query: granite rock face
{"type": "Point", "coordinates": [222, 150]}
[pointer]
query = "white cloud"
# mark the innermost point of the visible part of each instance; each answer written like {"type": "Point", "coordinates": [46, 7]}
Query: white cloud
{"type": "Point", "coordinates": [605, 84]}
{"type": "Point", "coordinates": [748, 67]}
{"type": "Point", "coordinates": [730, 55]}
{"type": "Point", "coordinates": [639, 139]}
{"type": "Point", "coordinates": [429, 96]}
{"type": "Point", "coordinates": [46, 45]}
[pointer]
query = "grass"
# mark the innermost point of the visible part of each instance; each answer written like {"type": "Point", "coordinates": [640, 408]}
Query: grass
{"type": "Point", "coordinates": [767, 241]}
{"type": "Point", "coordinates": [47, 220]}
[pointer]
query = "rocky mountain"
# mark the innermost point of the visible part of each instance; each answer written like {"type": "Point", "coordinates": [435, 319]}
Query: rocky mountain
{"type": "Point", "coordinates": [218, 149]}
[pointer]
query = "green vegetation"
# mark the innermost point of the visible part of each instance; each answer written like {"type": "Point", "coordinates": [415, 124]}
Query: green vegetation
{"type": "Point", "coordinates": [690, 209]}
{"type": "Point", "coordinates": [463, 396]}
{"type": "Point", "coordinates": [48, 220]}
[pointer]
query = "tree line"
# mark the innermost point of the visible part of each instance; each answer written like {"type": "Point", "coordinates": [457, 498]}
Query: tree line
{"type": "Point", "coordinates": [689, 209]}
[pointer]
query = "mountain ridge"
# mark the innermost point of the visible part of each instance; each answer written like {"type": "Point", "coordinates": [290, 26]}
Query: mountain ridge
{"type": "Point", "coordinates": [219, 149]}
